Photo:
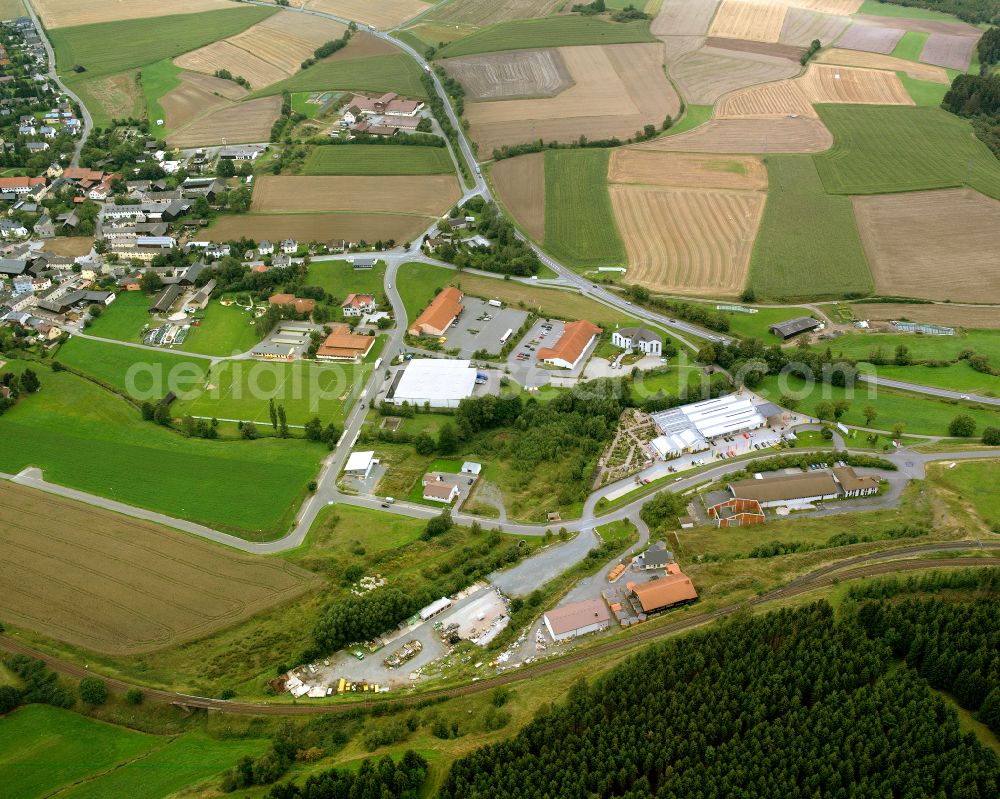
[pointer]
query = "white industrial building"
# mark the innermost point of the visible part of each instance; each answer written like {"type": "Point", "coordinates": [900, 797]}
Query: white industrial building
{"type": "Point", "coordinates": [577, 618]}
{"type": "Point", "coordinates": [439, 382]}
{"type": "Point", "coordinates": [359, 464]}
{"type": "Point", "coordinates": [690, 428]}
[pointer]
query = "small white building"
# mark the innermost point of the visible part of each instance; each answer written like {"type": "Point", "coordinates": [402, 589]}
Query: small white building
{"type": "Point", "coordinates": [265, 248]}
{"type": "Point", "coordinates": [638, 339]}
{"type": "Point", "coordinates": [360, 464]}
{"type": "Point", "coordinates": [471, 467]}
{"type": "Point", "coordinates": [577, 618]}
{"type": "Point", "coordinates": [434, 608]}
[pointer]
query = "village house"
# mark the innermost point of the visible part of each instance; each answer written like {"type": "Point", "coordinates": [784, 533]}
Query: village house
{"type": "Point", "coordinates": [359, 304]}
{"type": "Point", "coordinates": [289, 246]}
{"type": "Point", "coordinates": [438, 488]}
{"type": "Point", "coordinates": [637, 339]}
{"type": "Point", "coordinates": [290, 301]}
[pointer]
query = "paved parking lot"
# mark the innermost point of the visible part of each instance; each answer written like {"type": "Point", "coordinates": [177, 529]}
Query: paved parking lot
{"type": "Point", "coordinates": [523, 359]}
{"type": "Point", "coordinates": [481, 326]}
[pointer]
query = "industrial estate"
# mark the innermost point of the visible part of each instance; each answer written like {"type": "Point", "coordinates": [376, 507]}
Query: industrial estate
{"type": "Point", "coordinates": [467, 399]}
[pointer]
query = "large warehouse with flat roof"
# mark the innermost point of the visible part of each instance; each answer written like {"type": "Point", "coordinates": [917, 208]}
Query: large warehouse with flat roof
{"type": "Point", "coordinates": [689, 428]}
{"type": "Point", "coordinates": [439, 382]}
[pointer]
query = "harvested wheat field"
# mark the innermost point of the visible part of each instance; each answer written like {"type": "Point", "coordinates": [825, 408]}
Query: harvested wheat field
{"type": "Point", "coordinates": [617, 89]}
{"type": "Point", "coordinates": [67, 13]}
{"type": "Point", "coordinates": [197, 95]}
{"type": "Point", "coordinates": [686, 240]}
{"type": "Point", "coordinates": [632, 165]}
{"type": "Point", "coordinates": [480, 13]}
{"type": "Point", "coordinates": [707, 74]}
{"type": "Point", "coordinates": [759, 22]}
{"type": "Point", "coordinates": [520, 185]}
{"type": "Point", "coordinates": [250, 121]}
{"type": "Point", "coordinates": [950, 314]}
{"type": "Point", "coordinates": [321, 227]}
{"type": "Point", "coordinates": [266, 52]}
{"type": "Point", "coordinates": [945, 50]}
{"type": "Point", "coordinates": [934, 245]}
{"type": "Point", "coordinates": [429, 195]}
{"type": "Point", "coordinates": [381, 14]}
{"type": "Point", "coordinates": [788, 51]}
{"type": "Point", "coordinates": [802, 26]}
{"type": "Point", "coordinates": [512, 74]}
{"type": "Point", "coordinates": [841, 7]}
{"type": "Point", "coordinates": [775, 135]}
{"type": "Point", "coordinates": [674, 47]}
{"type": "Point", "coordinates": [121, 586]}
{"type": "Point", "coordinates": [873, 38]}
{"type": "Point", "coordinates": [857, 58]}
{"type": "Point", "coordinates": [824, 83]}
{"type": "Point", "coordinates": [777, 99]}
{"type": "Point", "coordinates": [684, 17]}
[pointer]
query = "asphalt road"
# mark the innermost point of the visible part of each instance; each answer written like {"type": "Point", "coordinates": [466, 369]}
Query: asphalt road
{"type": "Point", "coordinates": [932, 391]}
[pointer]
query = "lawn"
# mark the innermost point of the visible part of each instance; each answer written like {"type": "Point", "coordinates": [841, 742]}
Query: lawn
{"type": "Point", "coordinates": [366, 159]}
{"type": "Point", "coordinates": [125, 319]}
{"type": "Point", "coordinates": [109, 47]}
{"type": "Point", "coordinates": [977, 482]}
{"type": "Point", "coordinates": [84, 437]}
{"type": "Point", "coordinates": [885, 149]}
{"type": "Point", "coordinates": [339, 278]}
{"type": "Point", "coordinates": [808, 243]}
{"type": "Point", "coordinates": [301, 104]}
{"type": "Point", "coordinates": [557, 31]}
{"type": "Point", "coordinates": [925, 93]}
{"type": "Point", "coordinates": [694, 115]}
{"type": "Point", "coordinates": [44, 748]}
{"type": "Point", "coordinates": [158, 79]}
{"type": "Point", "coordinates": [580, 225]}
{"type": "Point", "coordinates": [911, 45]}
{"type": "Point", "coordinates": [382, 73]}
{"type": "Point", "coordinates": [921, 415]}
{"type": "Point", "coordinates": [224, 330]}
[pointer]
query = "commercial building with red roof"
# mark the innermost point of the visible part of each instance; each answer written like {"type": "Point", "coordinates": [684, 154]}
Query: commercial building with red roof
{"type": "Point", "coordinates": [438, 316]}
{"type": "Point", "coordinates": [344, 345]}
{"type": "Point", "coordinates": [21, 185]}
{"type": "Point", "coordinates": [671, 589]}
{"type": "Point", "coordinates": [571, 346]}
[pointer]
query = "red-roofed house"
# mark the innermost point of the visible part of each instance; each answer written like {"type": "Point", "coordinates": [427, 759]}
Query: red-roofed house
{"type": "Point", "coordinates": [21, 185]}
{"type": "Point", "coordinates": [344, 345]}
{"type": "Point", "coordinates": [359, 304]}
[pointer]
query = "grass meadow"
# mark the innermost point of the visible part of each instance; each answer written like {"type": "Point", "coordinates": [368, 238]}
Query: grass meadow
{"type": "Point", "coordinates": [925, 93]}
{"type": "Point", "coordinates": [580, 225]}
{"type": "Point", "coordinates": [756, 325]}
{"type": "Point", "coordinates": [911, 45]}
{"type": "Point", "coordinates": [694, 115]}
{"type": "Point", "coordinates": [339, 278]}
{"type": "Point", "coordinates": [977, 482]}
{"type": "Point", "coordinates": [808, 243]}
{"type": "Point", "coordinates": [362, 159]}
{"type": "Point", "coordinates": [557, 31]}
{"type": "Point", "coordinates": [87, 438]}
{"type": "Point", "coordinates": [125, 319]}
{"type": "Point", "coordinates": [886, 149]}
{"type": "Point", "coordinates": [382, 73]}
{"type": "Point", "coordinates": [158, 79]}
{"type": "Point", "coordinates": [108, 47]}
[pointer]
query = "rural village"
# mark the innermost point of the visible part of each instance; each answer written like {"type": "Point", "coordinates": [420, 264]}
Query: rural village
{"type": "Point", "coordinates": [384, 382]}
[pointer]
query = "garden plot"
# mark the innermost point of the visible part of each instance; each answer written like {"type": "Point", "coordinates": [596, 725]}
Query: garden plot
{"type": "Point", "coordinates": [520, 185]}
{"type": "Point", "coordinates": [774, 135]}
{"type": "Point", "coordinates": [935, 245]}
{"type": "Point", "coordinates": [617, 89]}
{"type": "Point", "coordinates": [779, 99]}
{"type": "Point", "coordinates": [632, 165]}
{"type": "Point", "coordinates": [511, 74]}
{"type": "Point", "coordinates": [858, 58]}
{"type": "Point", "coordinates": [69, 13]}
{"type": "Point", "coordinates": [707, 74]}
{"type": "Point", "coordinates": [944, 50]}
{"type": "Point", "coordinates": [196, 95]}
{"type": "Point", "coordinates": [427, 195]}
{"type": "Point", "coordinates": [824, 83]}
{"type": "Point", "coordinates": [802, 27]}
{"type": "Point", "coordinates": [684, 18]}
{"type": "Point", "coordinates": [250, 121]}
{"type": "Point", "coordinates": [759, 22]}
{"type": "Point", "coordinates": [872, 38]}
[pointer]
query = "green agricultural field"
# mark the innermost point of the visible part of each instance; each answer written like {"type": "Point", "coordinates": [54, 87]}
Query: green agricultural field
{"type": "Point", "coordinates": [756, 325]}
{"type": "Point", "coordinates": [126, 101]}
{"type": "Point", "coordinates": [880, 9]}
{"type": "Point", "coordinates": [808, 243]}
{"type": "Point", "coordinates": [158, 79]}
{"type": "Point", "coordinates": [339, 278]}
{"type": "Point", "coordinates": [418, 283]}
{"type": "Point", "coordinates": [125, 319]}
{"type": "Point", "coordinates": [44, 748]}
{"type": "Point", "coordinates": [921, 415]}
{"type": "Point", "coordinates": [694, 115]}
{"type": "Point", "coordinates": [142, 374]}
{"type": "Point", "coordinates": [911, 45]}
{"type": "Point", "coordinates": [109, 47]}
{"type": "Point", "coordinates": [860, 345]}
{"type": "Point", "coordinates": [924, 93]}
{"type": "Point", "coordinates": [223, 330]}
{"type": "Point", "coordinates": [886, 149]}
{"type": "Point", "coordinates": [87, 438]}
{"type": "Point", "coordinates": [382, 73]}
{"type": "Point", "coordinates": [242, 390]}
{"type": "Point", "coordinates": [977, 482]}
{"type": "Point", "coordinates": [558, 31]}
{"type": "Point", "coordinates": [367, 159]}
{"type": "Point", "coordinates": [580, 225]}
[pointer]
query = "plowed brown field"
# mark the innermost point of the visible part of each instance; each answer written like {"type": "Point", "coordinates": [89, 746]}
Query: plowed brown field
{"type": "Point", "coordinates": [858, 58]}
{"type": "Point", "coordinates": [121, 586]}
{"type": "Point", "coordinates": [266, 52]}
{"type": "Point", "coordinates": [686, 170]}
{"type": "Point", "coordinates": [950, 314]}
{"type": "Point", "coordinates": [428, 195]}
{"type": "Point", "coordinates": [823, 83]}
{"type": "Point", "coordinates": [686, 240]}
{"type": "Point", "coordinates": [67, 13]}
{"type": "Point", "coordinates": [778, 135]}
{"type": "Point", "coordinates": [934, 245]}
{"type": "Point", "coordinates": [767, 100]}
{"type": "Point", "coordinates": [243, 122]}
{"type": "Point", "coordinates": [759, 22]}
{"type": "Point", "coordinates": [380, 13]}
{"type": "Point", "coordinates": [320, 227]}
{"type": "Point", "coordinates": [520, 184]}
{"type": "Point", "coordinates": [197, 95]}
{"type": "Point", "coordinates": [617, 89]}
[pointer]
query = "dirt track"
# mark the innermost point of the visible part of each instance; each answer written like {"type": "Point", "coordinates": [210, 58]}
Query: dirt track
{"type": "Point", "coordinates": [520, 184]}
{"type": "Point", "coordinates": [850, 568]}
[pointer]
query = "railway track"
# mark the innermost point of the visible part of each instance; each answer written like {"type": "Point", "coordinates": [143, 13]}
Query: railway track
{"type": "Point", "coordinates": [877, 563]}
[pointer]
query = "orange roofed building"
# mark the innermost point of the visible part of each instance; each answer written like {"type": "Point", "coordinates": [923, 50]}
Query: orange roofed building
{"type": "Point", "coordinates": [344, 345]}
{"type": "Point", "coordinates": [438, 316]}
{"type": "Point", "coordinates": [298, 304]}
{"type": "Point", "coordinates": [671, 589]}
{"type": "Point", "coordinates": [572, 344]}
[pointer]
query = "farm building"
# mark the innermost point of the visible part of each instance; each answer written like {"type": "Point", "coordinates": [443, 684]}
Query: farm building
{"type": "Point", "coordinates": [165, 299]}
{"type": "Point", "coordinates": [201, 297]}
{"type": "Point", "coordinates": [439, 487]}
{"type": "Point", "coordinates": [471, 467]}
{"type": "Point", "coordinates": [437, 317]}
{"type": "Point", "coordinates": [360, 464]}
{"type": "Point", "coordinates": [358, 304]}
{"type": "Point", "coordinates": [736, 513]}
{"type": "Point", "coordinates": [792, 490]}
{"type": "Point", "coordinates": [638, 339]}
{"type": "Point", "coordinates": [440, 383]}
{"type": "Point", "coordinates": [577, 618]}
{"type": "Point", "coordinates": [689, 428]}
{"type": "Point", "coordinates": [569, 350]}
{"type": "Point", "coordinates": [343, 345]}
{"type": "Point", "coordinates": [243, 152]}
{"type": "Point", "coordinates": [297, 304]}
{"type": "Point", "coordinates": [662, 593]}
{"type": "Point", "coordinates": [363, 263]}
{"type": "Point", "coordinates": [21, 185]}
{"type": "Point", "coordinates": [795, 327]}
{"type": "Point", "coordinates": [852, 485]}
